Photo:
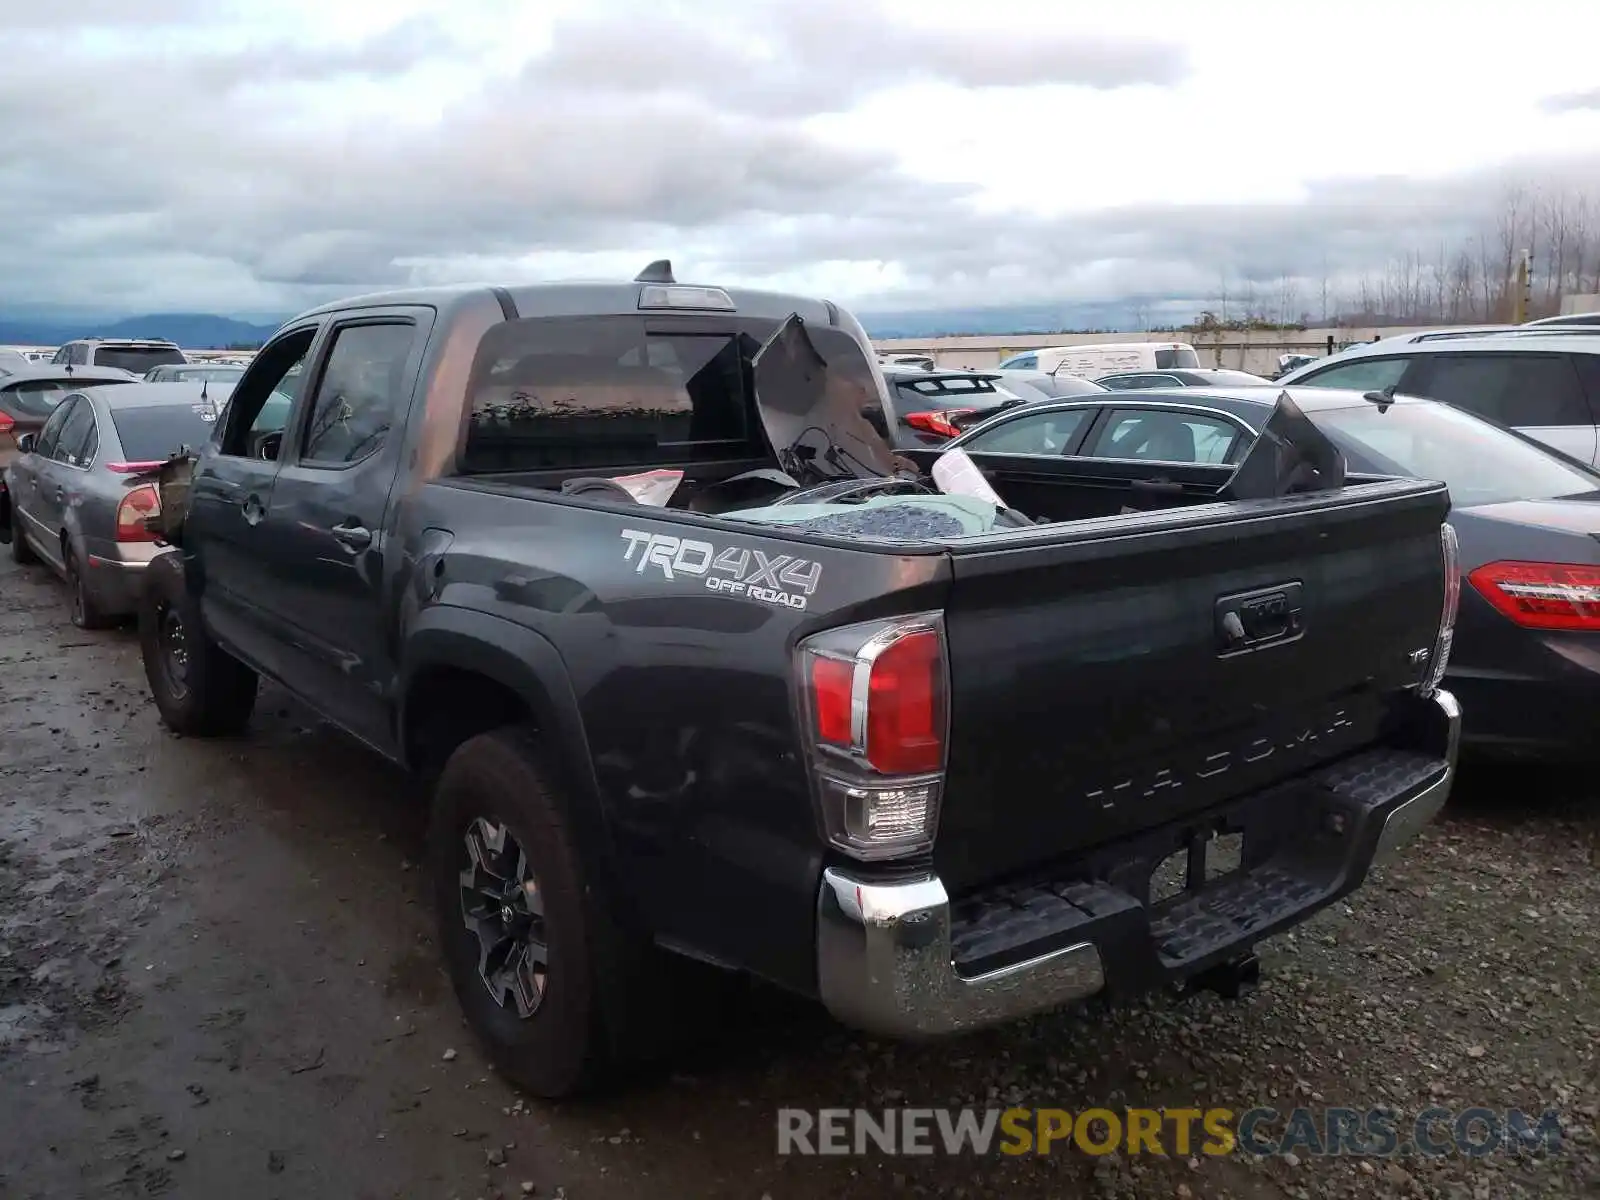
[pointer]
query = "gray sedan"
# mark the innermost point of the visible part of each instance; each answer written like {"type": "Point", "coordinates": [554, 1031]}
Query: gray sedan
{"type": "Point", "coordinates": [81, 488]}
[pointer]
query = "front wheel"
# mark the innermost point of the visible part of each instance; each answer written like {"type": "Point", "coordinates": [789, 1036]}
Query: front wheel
{"type": "Point", "coordinates": [199, 688]}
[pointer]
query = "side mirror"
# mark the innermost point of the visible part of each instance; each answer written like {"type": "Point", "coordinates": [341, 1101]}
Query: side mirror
{"type": "Point", "coordinates": [27, 442]}
{"type": "Point", "coordinates": [874, 415]}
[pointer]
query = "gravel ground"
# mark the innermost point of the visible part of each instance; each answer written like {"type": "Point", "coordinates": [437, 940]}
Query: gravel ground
{"type": "Point", "coordinates": [216, 972]}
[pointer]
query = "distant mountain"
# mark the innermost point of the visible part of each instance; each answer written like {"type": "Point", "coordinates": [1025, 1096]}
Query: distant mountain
{"type": "Point", "coordinates": [193, 331]}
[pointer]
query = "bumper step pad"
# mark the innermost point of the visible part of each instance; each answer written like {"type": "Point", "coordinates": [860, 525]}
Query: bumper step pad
{"type": "Point", "coordinates": [1306, 842]}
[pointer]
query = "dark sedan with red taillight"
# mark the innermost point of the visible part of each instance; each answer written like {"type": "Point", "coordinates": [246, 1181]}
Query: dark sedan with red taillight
{"type": "Point", "coordinates": [1526, 658]}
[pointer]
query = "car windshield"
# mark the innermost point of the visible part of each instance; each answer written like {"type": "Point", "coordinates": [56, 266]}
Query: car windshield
{"type": "Point", "coordinates": [1481, 463]}
{"type": "Point", "coordinates": [153, 434]}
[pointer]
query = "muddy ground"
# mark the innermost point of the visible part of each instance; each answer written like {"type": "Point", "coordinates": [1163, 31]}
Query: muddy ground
{"type": "Point", "coordinates": [216, 978]}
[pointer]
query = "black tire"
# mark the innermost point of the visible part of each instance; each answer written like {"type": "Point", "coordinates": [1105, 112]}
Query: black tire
{"type": "Point", "coordinates": [610, 1000]}
{"type": "Point", "coordinates": [199, 688]}
{"type": "Point", "coordinates": [21, 553]}
{"type": "Point", "coordinates": [85, 613]}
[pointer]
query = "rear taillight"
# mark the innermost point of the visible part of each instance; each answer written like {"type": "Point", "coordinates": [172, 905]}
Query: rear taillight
{"type": "Point", "coordinates": [1450, 551]}
{"type": "Point", "coordinates": [6, 423]}
{"type": "Point", "coordinates": [940, 423]}
{"type": "Point", "coordinates": [140, 504]}
{"type": "Point", "coordinates": [876, 699]}
{"type": "Point", "coordinates": [1542, 595]}
{"type": "Point", "coordinates": [135, 468]}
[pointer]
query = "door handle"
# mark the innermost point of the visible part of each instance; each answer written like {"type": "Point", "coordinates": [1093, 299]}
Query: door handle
{"type": "Point", "coordinates": [253, 509]}
{"type": "Point", "coordinates": [352, 537]}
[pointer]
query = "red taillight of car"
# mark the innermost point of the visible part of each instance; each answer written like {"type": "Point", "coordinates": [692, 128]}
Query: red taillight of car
{"type": "Point", "coordinates": [1542, 595]}
{"type": "Point", "coordinates": [878, 714]}
{"type": "Point", "coordinates": [941, 424]}
{"type": "Point", "coordinates": [140, 504]}
{"type": "Point", "coordinates": [6, 423]}
{"type": "Point", "coordinates": [133, 468]}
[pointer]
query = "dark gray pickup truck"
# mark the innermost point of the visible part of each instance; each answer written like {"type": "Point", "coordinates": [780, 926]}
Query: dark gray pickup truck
{"type": "Point", "coordinates": [702, 675]}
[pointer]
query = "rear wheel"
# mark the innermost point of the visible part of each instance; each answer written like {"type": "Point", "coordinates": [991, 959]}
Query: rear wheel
{"type": "Point", "coordinates": [561, 996]}
{"type": "Point", "coordinates": [199, 688]}
{"type": "Point", "coordinates": [85, 613]}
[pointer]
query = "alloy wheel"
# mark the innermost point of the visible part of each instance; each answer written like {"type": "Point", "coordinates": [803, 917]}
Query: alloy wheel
{"type": "Point", "coordinates": [502, 906]}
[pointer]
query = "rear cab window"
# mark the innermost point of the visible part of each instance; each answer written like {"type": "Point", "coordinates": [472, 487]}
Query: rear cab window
{"type": "Point", "coordinates": [559, 394]}
{"type": "Point", "coordinates": [1170, 358]}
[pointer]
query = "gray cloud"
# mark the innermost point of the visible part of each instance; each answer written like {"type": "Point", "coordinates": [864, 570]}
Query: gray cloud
{"type": "Point", "coordinates": [220, 179]}
{"type": "Point", "coordinates": [1572, 101]}
{"type": "Point", "coordinates": [799, 60]}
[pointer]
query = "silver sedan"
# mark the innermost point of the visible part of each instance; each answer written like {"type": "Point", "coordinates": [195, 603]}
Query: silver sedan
{"type": "Point", "coordinates": [82, 487]}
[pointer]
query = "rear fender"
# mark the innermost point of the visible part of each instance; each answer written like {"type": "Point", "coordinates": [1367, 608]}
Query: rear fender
{"type": "Point", "coordinates": [527, 664]}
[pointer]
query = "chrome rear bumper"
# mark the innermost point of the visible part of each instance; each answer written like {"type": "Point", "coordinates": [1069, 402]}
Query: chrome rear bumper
{"type": "Point", "coordinates": [885, 959]}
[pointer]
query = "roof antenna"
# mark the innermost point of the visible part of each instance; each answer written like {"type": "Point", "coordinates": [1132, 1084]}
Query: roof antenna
{"type": "Point", "coordinates": [659, 271]}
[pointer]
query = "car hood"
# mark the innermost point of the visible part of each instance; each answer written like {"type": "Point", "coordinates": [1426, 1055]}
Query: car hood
{"type": "Point", "coordinates": [811, 407]}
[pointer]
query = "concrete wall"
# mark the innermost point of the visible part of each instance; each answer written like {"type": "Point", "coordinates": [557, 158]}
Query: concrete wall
{"type": "Point", "coordinates": [1254, 352]}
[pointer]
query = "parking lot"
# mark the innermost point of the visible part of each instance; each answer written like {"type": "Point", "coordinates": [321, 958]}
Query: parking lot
{"type": "Point", "coordinates": [216, 972]}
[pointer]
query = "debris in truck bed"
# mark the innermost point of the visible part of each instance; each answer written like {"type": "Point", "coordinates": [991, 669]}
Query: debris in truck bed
{"type": "Point", "coordinates": [902, 518]}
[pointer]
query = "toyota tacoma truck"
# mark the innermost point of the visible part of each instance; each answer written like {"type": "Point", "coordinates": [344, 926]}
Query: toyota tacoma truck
{"type": "Point", "coordinates": [705, 679]}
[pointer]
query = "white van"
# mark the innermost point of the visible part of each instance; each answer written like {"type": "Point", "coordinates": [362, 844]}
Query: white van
{"type": "Point", "coordinates": [1105, 358]}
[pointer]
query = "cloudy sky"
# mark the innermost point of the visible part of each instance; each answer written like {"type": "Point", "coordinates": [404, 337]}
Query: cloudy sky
{"type": "Point", "coordinates": [253, 156]}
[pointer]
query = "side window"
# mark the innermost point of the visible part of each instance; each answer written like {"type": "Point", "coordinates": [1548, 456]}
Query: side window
{"type": "Point", "coordinates": [75, 433]}
{"type": "Point", "coordinates": [1365, 375]}
{"type": "Point", "coordinates": [51, 433]}
{"type": "Point", "coordinates": [1041, 433]}
{"type": "Point", "coordinates": [359, 393]}
{"type": "Point", "coordinates": [1513, 389]}
{"type": "Point", "coordinates": [258, 408]}
{"type": "Point", "coordinates": [80, 355]}
{"type": "Point", "coordinates": [1022, 362]}
{"type": "Point", "coordinates": [1588, 366]}
{"type": "Point", "coordinates": [1161, 436]}
{"type": "Point", "coordinates": [60, 356]}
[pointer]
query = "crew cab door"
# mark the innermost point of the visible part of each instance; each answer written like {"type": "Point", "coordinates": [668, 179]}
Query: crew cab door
{"type": "Point", "coordinates": [232, 484]}
{"type": "Point", "coordinates": [327, 524]}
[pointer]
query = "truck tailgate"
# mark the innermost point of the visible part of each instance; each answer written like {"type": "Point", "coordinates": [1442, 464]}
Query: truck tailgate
{"type": "Point", "coordinates": [1116, 675]}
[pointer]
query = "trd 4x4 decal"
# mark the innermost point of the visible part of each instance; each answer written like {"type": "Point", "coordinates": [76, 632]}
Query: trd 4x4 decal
{"type": "Point", "coordinates": [778, 579]}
